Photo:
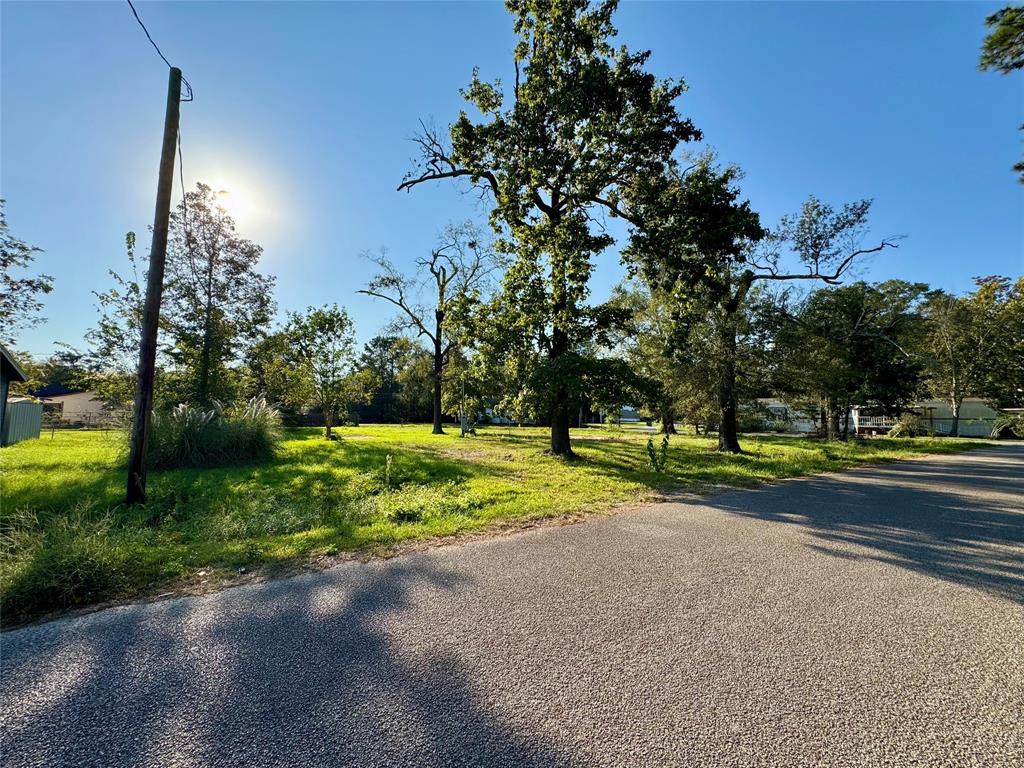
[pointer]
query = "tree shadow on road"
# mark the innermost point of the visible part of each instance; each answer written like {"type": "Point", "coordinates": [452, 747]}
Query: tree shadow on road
{"type": "Point", "coordinates": [969, 531]}
{"type": "Point", "coordinates": [293, 673]}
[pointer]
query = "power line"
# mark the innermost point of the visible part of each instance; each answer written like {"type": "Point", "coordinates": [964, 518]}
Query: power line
{"type": "Point", "coordinates": [188, 86]}
{"type": "Point", "coordinates": [157, 49]}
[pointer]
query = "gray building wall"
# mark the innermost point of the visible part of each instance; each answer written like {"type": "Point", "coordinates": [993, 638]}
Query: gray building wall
{"type": "Point", "coordinates": [23, 420]}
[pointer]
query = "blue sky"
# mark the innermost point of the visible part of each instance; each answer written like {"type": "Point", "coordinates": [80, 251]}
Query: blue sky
{"type": "Point", "coordinates": [303, 111]}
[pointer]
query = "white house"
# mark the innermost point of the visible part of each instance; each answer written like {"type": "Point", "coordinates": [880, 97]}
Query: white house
{"type": "Point", "coordinates": [72, 406]}
{"type": "Point", "coordinates": [796, 420]}
{"type": "Point", "coordinates": [977, 418]}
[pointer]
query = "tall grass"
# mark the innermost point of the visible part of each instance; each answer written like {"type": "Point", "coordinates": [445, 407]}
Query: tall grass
{"type": "Point", "coordinates": [189, 436]}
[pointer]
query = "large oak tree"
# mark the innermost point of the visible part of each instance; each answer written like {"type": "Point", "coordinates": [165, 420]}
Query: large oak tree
{"type": "Point", "coordinates": [582, 118]}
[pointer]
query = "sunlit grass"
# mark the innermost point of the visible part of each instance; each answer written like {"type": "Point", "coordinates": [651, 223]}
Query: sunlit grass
{"type": "Point", "coordinates": [67, 539]}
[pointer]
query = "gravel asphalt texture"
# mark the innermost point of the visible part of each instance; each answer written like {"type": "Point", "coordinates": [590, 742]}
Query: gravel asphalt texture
{"type": "Point", "coordinates": [873, 617]}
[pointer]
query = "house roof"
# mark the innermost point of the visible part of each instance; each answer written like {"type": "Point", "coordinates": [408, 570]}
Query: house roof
{"type": "Point", "coordinates": [55, 390]}
{"type": "Point", "coordinates": [8, 361]}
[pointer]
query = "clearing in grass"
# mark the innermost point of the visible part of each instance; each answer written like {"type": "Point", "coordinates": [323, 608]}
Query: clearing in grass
{"type": "Point", "coordinates": [66, 540]}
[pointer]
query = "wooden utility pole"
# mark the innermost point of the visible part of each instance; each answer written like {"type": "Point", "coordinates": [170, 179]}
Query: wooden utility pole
{"type": "Point", "coordinates": [154, 288]}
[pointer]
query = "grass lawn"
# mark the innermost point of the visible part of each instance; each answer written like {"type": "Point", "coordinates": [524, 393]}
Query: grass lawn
{"type": "Point", "coordinates": [65, 539]}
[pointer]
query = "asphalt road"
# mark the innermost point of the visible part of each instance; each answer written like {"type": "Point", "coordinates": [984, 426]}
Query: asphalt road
{"type": "Point", "coordinates": [869, 618]}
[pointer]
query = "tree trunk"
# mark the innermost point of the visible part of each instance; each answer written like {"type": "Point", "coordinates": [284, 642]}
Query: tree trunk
{"type": "Point", "coordinates": [846, 423]}
{"type": "Point", "coordinates": [560, 445]}
{"type": "Point", "coordinates": [438, 368]}
{"type": "Point", "coordinates": [206, 353]}
{"type": "Point", "coordinates": [954, 429]}
{"type": "Point", "coordinates": [328, 422]}
{"type": "Point", "coordinates": [832, 419]}
{"type": "Point", "coordinates": [560, 416]}
{"type": "Point", "coordinates": [668, 421]}
{"type": "Point", "coordinates": [728, 432]}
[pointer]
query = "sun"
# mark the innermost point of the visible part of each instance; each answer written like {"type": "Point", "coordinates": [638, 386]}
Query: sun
{"type": "Point", "coordinates": [248, 195]}
{"type": "Point", "coordinates": [237, 202]}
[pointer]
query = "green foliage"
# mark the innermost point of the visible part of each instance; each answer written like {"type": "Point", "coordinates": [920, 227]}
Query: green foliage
{"type": "Point", "coordinates": [190, 436]}
{"type": "Point", "coordinates": [657, 459]}
{"type": "Point", "coordinates": [459, 269]}
{"type": "Point", "coordinates": [909, 425]}
{"type": "Point", "coordinates": [1012, 424]}
{"type": "Point", "coordinates": [1003, 48]}
{"type": "Point", "coordinates": [19, 295]}
{"type": "Point", "coordinates": [114, 342]}
{"type": "Point", "coordinates": [752, 419]}
{"type": "Point", "coordinates": [276, 369]}
{"type": "Point", "coordinates": [65, 368]}
{"type": "Point", "coordinates": [324, 339]}
{"type": "Point", "coordinates": [583, 118]}
{"type": "Point", "coordinates": [974, 344]}
{"type": "Point", "coordinates": [704, 250]}
{"type": "Point", "coordinates": [217, 304]}
{"type": "Point", "coordinates": [403, 372]}
{"type": "Point", "coordinates": [852, 345]}
{"type": "Point", "coordinates": [69, 559]}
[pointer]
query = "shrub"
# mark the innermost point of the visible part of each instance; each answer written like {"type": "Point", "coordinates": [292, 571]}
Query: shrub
{"type": "Point", "coordinates": [657, 459]}
{"type": "Point", "coordinates": [908, 425]}
{"type": "Point", "coordinates": [189, 436]}
{"type": "Point", "coordinates": [1009, 425]}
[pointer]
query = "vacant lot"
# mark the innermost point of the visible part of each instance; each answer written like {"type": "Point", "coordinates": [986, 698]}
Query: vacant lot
{"type": "Point", "coordinates": [67, 540]}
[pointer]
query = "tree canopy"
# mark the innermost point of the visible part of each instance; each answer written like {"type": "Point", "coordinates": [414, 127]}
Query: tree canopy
{"type": "Point", "coordinates": [582, 119]}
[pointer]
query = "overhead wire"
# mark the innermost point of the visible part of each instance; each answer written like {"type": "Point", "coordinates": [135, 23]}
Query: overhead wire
{"type": "Point", "coordinates": [189, 97]}
{"type": "Point", "coordinates": [156, 47]}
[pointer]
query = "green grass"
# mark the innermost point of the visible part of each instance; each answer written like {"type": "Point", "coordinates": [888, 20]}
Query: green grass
{"type": "Point", "coordinates": [66, 540]}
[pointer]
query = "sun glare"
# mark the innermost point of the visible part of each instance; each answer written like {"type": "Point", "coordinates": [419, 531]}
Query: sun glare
{"type": "Point", "coordinates": [238, 201]}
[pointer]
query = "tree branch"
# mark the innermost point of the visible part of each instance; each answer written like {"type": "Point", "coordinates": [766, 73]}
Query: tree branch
{"type": "Point", "coordinates": [833, 277]}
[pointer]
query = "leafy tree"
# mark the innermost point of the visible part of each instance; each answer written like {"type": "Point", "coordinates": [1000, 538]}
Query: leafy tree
{"type": "Point", "coordinates": [973, 345]}
{"type": "Point", "coordinates": [325, 340]}
{"type": "Point", "coordinates": [704, 248]}
{"type": "Point", "coordinates": [276, 368]}
{"type": "Point", "coordinates": [114, 342]}
{"type": "Point", "coordinates": [584, 117]}
{"type": "Point", "coordinates": [1004, 378]}
{"type": "Point", "coordinates": [646, 344]}
{"type": "Point", "coordinates": [19, 302]}
{"type": "Point", "coordinates": [415, 382]}
{"type": "Point", "coordinates": [63, 368]}
{"type": "Point", "coordinates": [852, 345]}
{"type": "Point", "coordinates": [387, 356]}
{"type": "Point", "coordinates": [457, 268]}
{"type": "Point", "coordinates": [217, 304]}
{"type": "Point", "coordinates": [1003, 48]}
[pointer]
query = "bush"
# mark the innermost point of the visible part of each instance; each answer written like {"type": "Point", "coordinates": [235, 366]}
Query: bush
{"type": "Point", "coordinates": [750, 422]}
{"type": "Point", "coordinates": [1007, 426]}
{"type": "Point", "coordinates": [908, 425]}
{"type": "Point", "coordinates": [189, 436]}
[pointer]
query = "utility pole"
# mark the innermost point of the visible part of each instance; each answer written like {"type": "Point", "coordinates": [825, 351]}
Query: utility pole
{"type": "Point", "coordinates": [154, 288]}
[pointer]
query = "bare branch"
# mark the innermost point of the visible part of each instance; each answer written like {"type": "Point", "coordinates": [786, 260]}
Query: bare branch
{"type": "Point", "coordinates": [814, 273]}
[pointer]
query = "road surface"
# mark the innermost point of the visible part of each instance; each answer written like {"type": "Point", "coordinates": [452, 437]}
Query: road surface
{"type": "Point", "coordinates": [869, 618]}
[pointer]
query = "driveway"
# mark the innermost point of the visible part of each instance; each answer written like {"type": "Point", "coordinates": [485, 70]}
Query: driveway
{"type": "Point", "coordinates": [869, 618]}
